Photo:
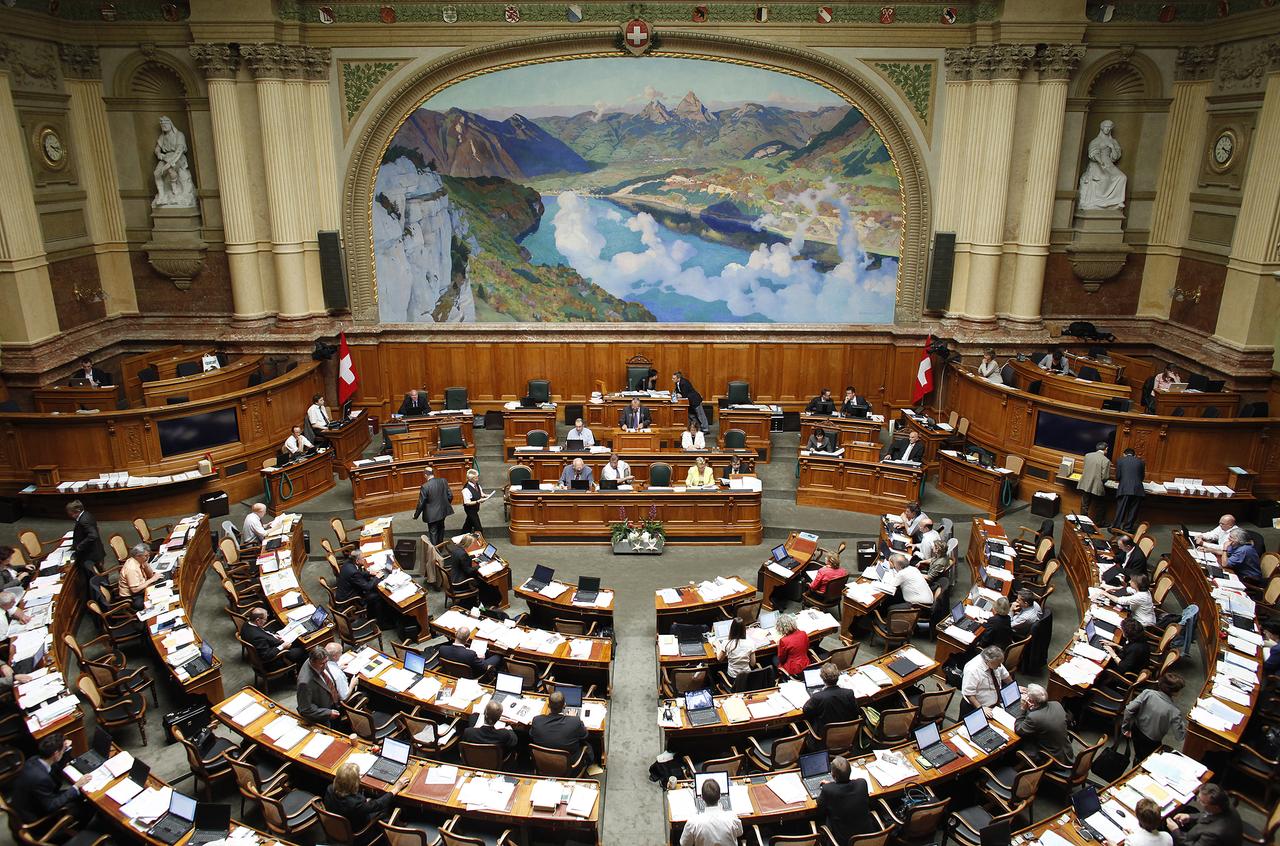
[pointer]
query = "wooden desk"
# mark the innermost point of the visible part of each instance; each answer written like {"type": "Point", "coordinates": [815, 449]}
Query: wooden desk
{"type": "Point", "coordinates": [950, 641]}
{"type": "Point", "coordinates": [1194, 403]}
{"type": "Point", "coordinates": [65, 399]}
{"type": "Point", "coordinates": [377, 558]}
{"type": "Point", "coordinates": [384, 487]}
{"type": "Point", "coordinates": [498, 578]}
{"type": "Point", "coordinates": [1083, 565]}
{"type": "Point", "coordinates": [691, 607]}
{"type": "Point", "coordinates": [644, 440]}
{"type": "Point", "coordinates": [423, 444]}
{"type": "Point", "coordinates": [290, 556]}
{"type": "Point", "coordinates": [848, 429]}
{"type": "Point", "coordinates": [348, 441]}
{"type": "Point", "coordinates": [203, 385]}
{"type": "Point", "coordinates": [545, 610]}
{"type": "Point", "coordinates": [1070, 389]}
{"type": "Point", "coordinates": [121, 503]}
{"type": "Point", "coordinates": [165, 361]}
{"type": "Point", "coordinates": [851, 485]}
{"type": "Point", "coordinates": [423, 438]}
{"type": "Point", "coordinates": [547, 464]}
{"type": "Point", "coordinates": [774, 577]}
{"type": "Point", "coordinates": [720, 516]}
{"type": "Point", "coordinates": [931, 438]}
{"type": "Point", "coordinates": [1110, 371]}
{"type": "Point", "coordinates": [518, 422]}
{"type": "Point", "coordinates": [298, 481]}
{"type": "Point", "coordinates": [663, 413]}
{"type": "Point", "coordinates": [970, 482]}
{"type": "Point", "coordinates": [816, 624]}
{"type": "Point", "coordinates": [754, 421]}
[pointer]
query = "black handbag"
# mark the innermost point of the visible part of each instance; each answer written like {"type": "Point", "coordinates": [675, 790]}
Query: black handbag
{"type": "Point", "coordinates": [912, 796]}
{"type": "Point", "coordinates": [1113, 761]}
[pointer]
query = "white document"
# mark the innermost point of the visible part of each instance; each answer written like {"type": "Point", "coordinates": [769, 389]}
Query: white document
{"type": "Point", "coordinates": [123, 791]}
{"type": "Point", "coordinates": [317, 745]}
{"type": "Point", "coordinates": [788, 788]}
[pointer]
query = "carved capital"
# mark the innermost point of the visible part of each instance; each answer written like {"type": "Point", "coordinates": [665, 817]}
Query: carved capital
{"type": "Point", "coordinates": [959, 62]}
{"type": "Point", "coordinates": [216, 61]}
{"type": "Point", "coordinates": [1196, 63]}
{"type": "Point", "coordinates": [80, 61]}
{"type": "Point", "coordinates": [265, 61]}
{"type": "Point", "coordinates": [6, 52]}
{"type": "Point", "coordinates": [294, 61]}
{"type": "Point", "coordinates": [1058, 61]}
{"type": "Point", "coordinates": [1009, 61]}
{"type": "Point", "coordinates": [317, 61]}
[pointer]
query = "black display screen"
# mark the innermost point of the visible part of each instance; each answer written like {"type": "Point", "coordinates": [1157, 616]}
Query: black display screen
{"type": "Point", "coordinates": [1070, 434]}
{"type": "Point", "coordinates": [198, 431]}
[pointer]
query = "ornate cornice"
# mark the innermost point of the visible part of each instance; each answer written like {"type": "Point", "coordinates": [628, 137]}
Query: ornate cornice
{"type": "Point", "coordinates": [1273, 55]}
{"type": "Point", "coordinates": [1005, 62]}
{"type": "Point", "coordinates": [959, 62]}
{"type": "Point", "coordinates": [274, 61]}
{"type": "Point", "coordinates": [1058, 61]}
{"type": "Point", "coordinates": [1196, 63]}
{"type": "Point", "coordinates": [80, 61]}
{"type": "Point", "coordinates": [215, 60]}
{"type": "Point", "coordinates": [316, 62]}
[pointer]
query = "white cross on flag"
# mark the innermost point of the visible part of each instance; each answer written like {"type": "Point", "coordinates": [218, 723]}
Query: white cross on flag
{"type": "Point", "coordinates": [637, 35]}
{"type": "Point", "coordinates": [348, 381]}
{"type": "Point", "coordinates": [924, 374]}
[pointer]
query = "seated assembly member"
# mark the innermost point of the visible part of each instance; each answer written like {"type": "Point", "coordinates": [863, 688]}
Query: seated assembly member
{"type": "Point", "coordinates": [989, 368]}
{"type": "Point", "coordinates": [616, 470]}
{"type": "Point", "coordinates": [692, 438]}
{"type": "Point", "coordinates": [1056, 362]}
{"type": "Point", "coordinates": [820, 441]}
{"type": "Point", "coordinates": [580, 432]}
{"type": "Point", "coordinates": [636, 417]}
{"type": "Point", "coordinates": [700, 474]}
{"type": "Point", "coordinates": [853, 401]}
{"type": "Point", "coordinates": [909, 450]}
{"type": "Point", "coordinates": [415, 403]}
{"type": "Point", "coordinates": [575, 471]}
{"type": "Point", "coordinates": [821, 404]}
{"type": "Point", "coordinates": [296, 444]}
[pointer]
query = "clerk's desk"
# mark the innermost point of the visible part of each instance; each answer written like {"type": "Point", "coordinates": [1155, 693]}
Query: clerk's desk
{"type": "Point", "coordinates": [754, 420]}
{"type": "Point", "coordinates": [518, 422]}
{"type": "Point", "coordinates": [413, 789]}
{"type": "Point", "coordinates": [423, 438]}
{"type": "Point", "coordinates": [547, 464]}
{"type": "Point", "coordinates": [968, 481]}
{"type": "Point", "coordinates": [292, 553]}
{"type": "Point", "coordinates": [68, 399]}
{"type": "Point", "coordinates": [1067, 388]}
{"type": "Point", "coordinates": [384, 487]}
{"type": "Point", "coordinates": [847, 429]}
{"type": "Point", "coordinates": [206, 384]}
{"type": "Point", "coordinates": [298, 481]}
{"type": "Point", "coordinates": [1110, 371]}
{"type": "Point", "coordinates": [872, 487]}
{"type": "Point", "coordinates": [1195, 403]}
{"type": "Point", "coordinates": [348, 439]}
{"type": "Point", "coordinates": [546, 609]}
{"type": "Point", "coordinates": [664, 413]}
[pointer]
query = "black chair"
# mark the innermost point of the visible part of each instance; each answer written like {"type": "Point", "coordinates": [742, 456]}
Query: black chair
{"type": "Point", "coordinates": [9, 405]}
{"type": "Point", "coordinates": [1036, 653]}
{"type": "Point", "coordinates": [739, 393]}
{"type": "Point", "coordinates": [1116, 404]}
{"type": "Point", "coordinates": [1090, 373]}
{"type": "Point", "coordinates": [659, 474]}
{"type": "Point", "coordinates": [255, 378]}
{"type": "Point", "coordinates": [1097, 352]}
{"type": "Point", "coordinates": [735, 439]}
{"type": "Point", "coordinates": [536, 438]}
{"type": "Point", "coordinates": [392, 429]}
{"type": "Point", "coordinates": [451, 437]}
{"type": "Point", "coordinates": [456, 399]}
{"type": "Point", "coordinates": [760, 678]}
{"type": "Point", "coordinates": [148, 374]}
{"type": "Point", "coordinates": [176, 400]}
{"type": "Point", "coordinates": [1211, 411]}
{"type": "Point", "coordinates": [189, 368]}
{"type": "Point", "coordinates": [539, 390]}
{"type": "Point", "coordinates": [1148, 395]}
{"type": "Point", "coordinates": [1008, 375]}
{"type": "Point", "coordinates": [1034, 387]}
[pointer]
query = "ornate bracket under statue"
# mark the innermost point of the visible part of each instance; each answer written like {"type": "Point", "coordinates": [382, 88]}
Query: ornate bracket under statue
{"type": "Point", "coordinates": [176, 249]}
{"type": "Point", "coordinates": [1098, 251]}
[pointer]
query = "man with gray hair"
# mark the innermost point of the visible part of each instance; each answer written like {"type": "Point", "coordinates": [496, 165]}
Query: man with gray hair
{"type": "Point", "coordinates": [907, 581]}
{"type": "Point", "coordinates": [136, 576]}
{"type": "Point", "coordinates": [321, 689]}
{"type": "Point", "coordinates": [984, 674]}
{"type": "Point", "coordinates": [9, 606]}
{"type": "Point", "coordinates": [254, 529]}
{"type": "Point", "coordinates": [1240, 556]}
{"type": "Point", "coordinates": [1043, 726]}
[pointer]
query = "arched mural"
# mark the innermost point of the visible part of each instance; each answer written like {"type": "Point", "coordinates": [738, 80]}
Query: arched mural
{"type": "Point", "coordinates": [609, 189]}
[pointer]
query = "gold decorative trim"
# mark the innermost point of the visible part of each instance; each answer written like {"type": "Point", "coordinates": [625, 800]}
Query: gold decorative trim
{"type": "Point", "coordinates": [399, 101]}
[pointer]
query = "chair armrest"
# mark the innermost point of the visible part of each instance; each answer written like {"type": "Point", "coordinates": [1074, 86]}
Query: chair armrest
{"type": "Point", "coordinates": [889, 813]}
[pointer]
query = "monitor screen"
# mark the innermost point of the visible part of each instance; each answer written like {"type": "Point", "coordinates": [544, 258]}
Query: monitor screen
{"type": "Point", "coordinates": [721, 779]}
{"type": "Point", "coordinates": [588, 583]}
{"type": "Point", "coordinates": [198, 431]}
{"type": "Point", "coordinates": [767, 619]}
{"type": "Point", "coordinates": [813, 678]}
{"type": "Point", "coordinates": [206, 652]}
{"type": "Point", "coordinates": [1010, 694]}
{"type": "Point", "coordinates": [572, 694]}
{"type": "Point", "coordinates": [182, 805]}
{"type": "Point", "coordinates": [1090, 630]}
{"type": "Point", "coordinates": [395, 750]}
{"type": "Point", "coordinates": [1069, 434]}
{"type": "Point", "coordinates": [721, 628]}
{"type": "Point", "coordinates": [543, 574]}
{"type": "Point", "coordinates": [697, 699]}
{"type": "Point", "coordinates": [928, 735]}
{"type": "Point", "coordinates": [508, 683]}
{"type": "Point", "coordinates": [414, 662]}
{"type": "Point", "coordinates": [975, 721]}
{"type": "Point", "coordinates": [319, 616]}
{"type": "Point", "coordinates": [101, 742]}
{"type": "Point", "coordinates": [780, 552]}
{"type": "Point", "coordinates": [815, 763]}
{"type": "Point", "coordinates": [213, 816]}
{"type": "Point", "coordinates": [490, 552]}
{"type": "Point", "coordinates": [1085, 802]}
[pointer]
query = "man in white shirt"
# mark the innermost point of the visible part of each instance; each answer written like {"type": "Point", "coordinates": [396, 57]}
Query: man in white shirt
{"type": "Point", "coordinates": [980, 684]}
{"type": "Point", "coordinates": [296, 443]}
{"type": "Point", "coordinates": [254, 529]}
{"type": "Point", "coordinates": [712, 826]}
{"type": "Point", "coordinates": [333, 650]}
{"type": "Point", "coordinates": [909, 580]}
{"type": "Point", "coordinates": [923, 548]}
{"type": "Point", "coordinates": [1217, 536]}
{"type": "Point", "coordinates": [579, 432]}
{"type": "Point", "coordinates": [616, 470]}
{"type": "Point", "coordinates": [317, 414]}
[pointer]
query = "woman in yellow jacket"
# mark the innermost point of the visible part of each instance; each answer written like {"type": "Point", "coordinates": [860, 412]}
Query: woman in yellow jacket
{"type": "Point", "coordinates": [700, 475]}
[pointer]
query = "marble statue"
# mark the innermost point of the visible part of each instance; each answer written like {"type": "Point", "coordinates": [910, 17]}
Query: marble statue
{"type": "Point", "coordinates": [174, 188]}
{"type": "Point", "coordinates": [1102, 184]}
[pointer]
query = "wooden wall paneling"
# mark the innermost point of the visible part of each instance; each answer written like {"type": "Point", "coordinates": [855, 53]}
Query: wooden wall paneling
{"type": "Point", "coordinates": [903, 364]}
{"type": "Point", "coordinates": [731, 362]}
{"type": "Point", "coordinates": [131, 365]}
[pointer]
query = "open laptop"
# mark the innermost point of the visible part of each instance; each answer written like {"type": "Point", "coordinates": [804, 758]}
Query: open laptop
{"type": "Point", "coordinates": [489, 553]}
{"type": "Point", "coordinates": [1089, 812]}
{"type": "Point", "coordinates": [981, 733]}
{"type": "Point", "coordinates": [1176, 388]}
{"type": "Point", "coordinates": [720, 778]}
{"type": "Point", "coordinates": [813, 680]}
{"type": "Point", "coordinates": [690, 648]}
{"type": "Point", "coordinates": [201, 662]}
{"type": "Point", "coordinates": [213, 822]}
{"type": "Point", "coordinates": [996, 834]}
{"type": "Point", "coordinates": [768, 619]}
{"type": "Point", "coordinates": [700, 709]}
{"type": "Point", "coordinates": [529, 484]}
{"type": "Point", "coordinates": [316, 621]}
{"type": "Point", "coordinates": [97, 755]}
{"type": "Point", "coordinates": [572, 698]}
{"type": "Point", "coordinates": [781, 555]}
{"type": "Point", "coordinates": [177, 821]}
{"type": "Point", "coordinates": [588, 590]}
{"type": "Point", "coordinates": [859, 412]}
{"type": "Point", "coordinates": [542, 576]}
{"type": "Point", "coordinates": [988, 582]}
{"type": "Point", "coordinates": [1091, 635]}
{"type": "Point", "coordinates": [814, 767]}
{"type": "Point", "coordinates": [720, 628]}
{"type": "Point", "coordinates": [1011, 699]}
{"type": "Point", "coordinates": [415, 662]}
{"type": "Point", "coordinates": [608, 484]}
{"type": "Point", "coordinates": [575, 445]}
{"type": "Point", "coordinates": [960, 620]}
{"type": "Point", "coordinates": [392, 761]}
{"type": "Point", "coordinates": [932, 749]}
{"type": "Point", "coordinates": [507, 686]}
{"type": "Point", "coordinates": [579, 485]}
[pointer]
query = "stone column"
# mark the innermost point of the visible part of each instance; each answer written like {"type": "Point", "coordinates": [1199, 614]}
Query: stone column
{"type": "Point", "coordinates": [104, 212]}
{"type": "Point", "coordinates": [322, 121]}
{"type": "Point", "coordinates": [1251, 296]}
{"type": "Point", "coordinates": [1055, 63]}
{"type": "Point", "coordinates": [27, 310]}
{"type": "Point", "coordinates": [1007, 62]}
{"type": "Point", "coordinates": [978, 105]}
{"type": "Point", "coordinates": [303, 162]}
{"type": "Point", "coordinates": [955, 136]}
{"type": "Point", "coordinates": [1179, 163]}
{"type": "Point", "coordinates": [270, 64]}
{"type": "Point", "coordinates": [236, 194]}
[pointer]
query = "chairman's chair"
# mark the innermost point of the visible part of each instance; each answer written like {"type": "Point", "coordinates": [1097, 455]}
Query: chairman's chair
{"type": "Point", "coordinates": [539, 390]}
{"type": "Point", "coordinates": [735, 439]}
{"type": "Point", "coordinates": [536, 438]}
{"type": "Point", "coordinates": [659, 474]}
{"type": "Point", "coordinates": [392, 429]}
{"type": "Point", "coordinates": [451, 437]}
{"type": "Point", "coordinates": [739, 393]}
{"type": "Point", "coordinates": [637, 377]}
{"type": "Point", "coordinates": [456, 399]}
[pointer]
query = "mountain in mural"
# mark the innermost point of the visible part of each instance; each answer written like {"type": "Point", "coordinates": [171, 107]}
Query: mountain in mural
{"type": "Point", "coordinates": [462, 143]}
{"type": "Point", "coordinates": [852, 141]}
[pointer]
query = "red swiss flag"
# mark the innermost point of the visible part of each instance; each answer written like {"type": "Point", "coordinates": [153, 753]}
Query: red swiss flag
{"type": "Point", "coordinates": [348, 381]}
{"type": "Point", "coordinates": [924, 373]}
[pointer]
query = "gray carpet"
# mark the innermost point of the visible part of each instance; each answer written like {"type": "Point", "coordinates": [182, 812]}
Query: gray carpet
{"type": "Point", "coordinates": [632, 811]}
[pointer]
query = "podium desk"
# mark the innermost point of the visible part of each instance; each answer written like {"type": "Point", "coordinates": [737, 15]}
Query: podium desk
{"type": "Point", "coordinates": [663, 413]}
{"type": "Point", "coordinates": [1195, 403]}
{"type": "Point", "coordinates": [689, 516]}
{"type": "Point", "coordinates": [424, 444]}
{"type": "Point", "coordinates": [646, 440]}
{"type": "Point", "coordinates": [385, 487]}
{"type": "Point", "coordinates": [546, 610]}
{"type": "Point", "coordinates": [933, 439]}
{"type": "Point", "coordinates": [298, 481]}
{"type": "Point", "coordinates": [68, 399]}
{"type": "Point", "coordinates": [970, 482]}
{"type": "Point", "coordinates": [547, 464]}
{"type": "Point", "coordinates": [754, 420]}
{"type": "Point", "coordinates": [1056, 386]}
{"type": "Point", "coordinates": [518, 422]}
{"type": "Point", "coordinates": [348, 441]}
{"type": "Point", "coordinates": [690, 606]}
{"type": "Point", "coordinates": [851, 485]}
{"type": "Point", "coordinates": [773, 576]}
{"type": "Point", "coordinates": [126, 503]}
{"type": "Point", "coordinates": [863, 429]}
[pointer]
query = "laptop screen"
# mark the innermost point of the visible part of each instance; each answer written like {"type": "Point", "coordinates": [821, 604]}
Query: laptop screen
{"type": "Point", "coordinates": [573, 445]}
{"type": "Point", "coordinates": [721, 628]}
{"type": "Point", "coordinates": [957, 612]}
{"type": "Point", "coordinates": [543, 574]}
{"type": "Point", "coordinates": [1085, 802]}
{"type": "Point", "coordinates": [928, 735]}
{"type": "Point", "coordinates": [102, 742]}
{"type": "Point", "coordinates": [588, 583]}
{"type": "Point", "coordinates": [182, 805]}
{"type": "Point", "coordinates": [508, 683]}
{"type": "Point", "coordinates": [395, 750]}
{"type": "Point", "coordinates": [213, 816]}
{"type": "Point", "coordinates": [579, 485]}
{"type": "Point", "coordinates": [813, 678]}
{"type": "Point", "coordinates": [572, 694]}
{"type": "Point", "coordinates": [1010, 694]}
{"type": "Point", "coordinates": [815, 763]}
{"type": "Point", "coordinates": [975, 721]}
{"type": "Point", "coordinates": [767, 619]}
{"type": "Point", "coordinates": [490, 552]}
{"type": "Point", "coordinates": [780, 552]}
{"type": "Point", "coordinates": [696, 700]}
{"type": "Point", "coordinates": [206, 652]}
{"type": "Point", "coordinates": [721, 779]}
{"type": "Point", "coordinates": [414, 662]}
{"type": "Point", "coordinates": [139, 771]}
{"type": "Point", "coordinates": [1090, 630]}
{"type": "Point", "coordinates": [319, 616]}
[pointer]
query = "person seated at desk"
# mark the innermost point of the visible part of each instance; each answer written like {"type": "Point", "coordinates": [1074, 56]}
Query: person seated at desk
{"type": "Point", "coordinates": [733, 468]}
{"type": "Point", "coordinates": [415, 404]}
{"type": "Point", "coordinates": [939, 561]}
{"type": "Point", "coordinates": [1151, 828]}
{"type": "Point", "coordinates": [1137, 599]}
{"type": "Point", "coordinates": [1217, 536]}
{"type": "Point", "coordinates": [691, 438]}
{"type": "Point", "coordinates": [713, 825]}
{"type": "Point", "coordinates": [1216, 824]}
{"type": "Point", "coordinates": [11, 573]}
{"type": "Point", "coordinates": [1134, 652]}
{"type": "Point", "coordinates": [268, 644]}
{"type": "Point", "coordinates": [36, 791]}
{"type": "Point", "coordinates": [981, 680]}
{"type": "Point", "coordinates": [462, 567]}
{"type": "Point", "coordinates": [928, 537]}
{"type": "Point", "coordinates": [8, 678]}
{"type": "Point", "coordinates": [909, 450]}
{"type": "Point", "coordinates": [907, 581]}
{"type": "Point", "coordinates": [1131, 557]}
{"type": "Point", "coordinates": [460, 652]}
{"type": "Point", "coordinates": [95, 377]}
{"type": "Point", "coordinates": [254, 530]}
{"type": "Point", "coordinates": [557, 730]}
{"type": "Point", "coordinates": [845, 802]}
{"type": "Point", "coordinates": [575, 471]}
{"type": "Point", "coordinates": [998, 629]}
{"type": "Point", "coordinates": [1056, 362]}
{"type": "Point", "coordinates": [1165, 379]}
{"type": "Point", "coordinates": [1043, 725]}
{"type": "Point", "coordinates": [10, 610]}
{"type": "Point", "coordinates": [580, 432]}
{"type": "Point", "coordinates": [989, 368]}
{"type": "Point", "coordinates": [1241, 557]}
{"type": "Point", "coordinates": [635, 418]}
{"type": "Point", "coordinates": [700, 475]}
{"type": "Point", "coordinates": [1025, 613]}
{"type": "Point", "coordinates": [345, 798]}
{"type": "Point", "coordinates": [829, 570]}
{"type": "Point", "coordinates": [136, 576]}
{"type": "Point", "coordinates": [318, 414]}
{"type": "Point", "coordinates": [738, 653]}
{"type": "Point", "coordinates": [296, 444]}
{"type": "Point", "coordinates": [832, 703]}
{"type": "Point", "coordinates": [853, 402]}
{"type": "Point", "coordinates": [489, 728]}
{"type": "Point", "coordinates": [912, 518]}
{"type": "Point", "coordinates": [821, 404]}
{"type": "Point", "coordinates": [793, 647]}
{"type": "Point", "coordinates": [355, 581]}
{"type": "Point", "coordinates": [616, 470]}
{"type": "Point", "coordinates": [322, 687]}
{"type": "Point", "coordinates": [820, 441]}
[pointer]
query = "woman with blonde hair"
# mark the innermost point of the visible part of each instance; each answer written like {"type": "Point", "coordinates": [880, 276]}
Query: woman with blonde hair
{"type": "Point", "coordinates": [345, 798]}
{"type": "Point", "coordinates": [700, 475]}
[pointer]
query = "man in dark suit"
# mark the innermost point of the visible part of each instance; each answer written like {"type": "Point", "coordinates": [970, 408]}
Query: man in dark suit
{"type": "Point", "coordinates": [821, 404]}
{"type": "Point", "coordinates": [852, 402]}
{"type": "Point", "coordinates": [460, 652]}
{"type": "Point", "coordinates": [733, 468]}
{"type": "Point", "coordinates": [1043, 725]}
{"type": "Point", "coordinates": [97, 378]}
{"type": "Point", "coordinates": [845, 802]}
{"type": "Point", "coordinates": [1131, 472]}
{"type": "Point", "coordinates": [1216, 824]}
{"type": "Point", "coordinates": [462, 567]}
{"type": "Point", "coordinates": [268, 644]}
{"type": "Point", "coordinates": [320, 693]}
{"type": "Point", "coordinates": [1131, 557]}
{"type": "Point", "coordinates": [909, 450]}
{"type": "Point", "coordinates": [414, 404]}
{"type": "Point", "coordinates": [37, 792]}
{"type": "Point", "coordinates": [636, 417]}
{"type": "Point", "coordinates": [483, 729]}
{"type": "Point", "coordinates": [86, 543]}
{"type": "Point", "coordinates": [434, 504]}
{"type": "Point", "coordinates": [353, 581]}
{"type": "Point", "coordinates": [831, 704]}
{"type": "Point", "coordinates": [686, 389]}
{"type": "Point", "coordinates": [557, 730]}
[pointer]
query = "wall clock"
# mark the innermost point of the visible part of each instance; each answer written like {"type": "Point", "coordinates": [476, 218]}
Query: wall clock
{"type": "Point", "coordinates": [53, 151]}
{"type": "Point", "coordinates": [1223, 153]}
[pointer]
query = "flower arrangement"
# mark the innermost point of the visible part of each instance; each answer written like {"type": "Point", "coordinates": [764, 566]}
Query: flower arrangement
{"type": "Point", "coordinates": [639, 534]}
